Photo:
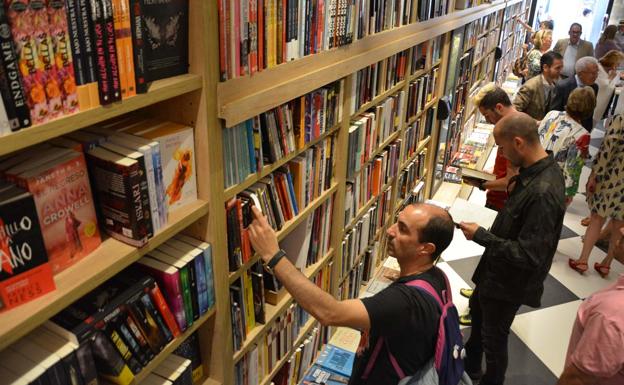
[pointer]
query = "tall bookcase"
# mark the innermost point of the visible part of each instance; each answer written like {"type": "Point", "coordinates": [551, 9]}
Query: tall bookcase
{"type": "Point", "coordinates": [200, 100]}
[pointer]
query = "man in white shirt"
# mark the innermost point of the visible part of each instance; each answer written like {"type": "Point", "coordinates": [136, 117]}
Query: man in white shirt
{"type": "Point", "coordinates": [573, 49]}
{"type": "Point", "coordinates": [619, 35]}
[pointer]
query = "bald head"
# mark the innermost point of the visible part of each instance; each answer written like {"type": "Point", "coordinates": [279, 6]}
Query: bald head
{"type": "Point", "coordinates": [518, 125]}
{"type": "Point", "coordinates": [438, 229]}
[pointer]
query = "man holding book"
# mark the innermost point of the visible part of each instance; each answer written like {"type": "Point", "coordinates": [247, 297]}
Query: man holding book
{"type": "Point", "coordinates": [519, 247]}
{"type": "Point", "coordinates": [405, 317]}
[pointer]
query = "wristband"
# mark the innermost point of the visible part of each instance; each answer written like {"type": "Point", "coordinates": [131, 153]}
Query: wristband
{"type": "Point", "coordinates": [275, 259]}
{"type": "Point", "coordinates": [482, 185]}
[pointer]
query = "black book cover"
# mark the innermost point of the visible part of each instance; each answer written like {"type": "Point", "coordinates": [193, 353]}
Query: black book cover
{"type": "Point", "coordinates": [147, 324]}
{"type": "Point", "coordinates": [11, 87]}
{"type": "Point", "coordinates": [189, 349]}
{"type": "Point", "coordinates": [165, 28]}
{"type": "Point", "coordinates": [148, 305]}
{"type": "Point", "coordinates": [194, 293]}
{"type": "Point", "coordinates": [101, 52]}
{"type": "Point", "coordinates": [108, 328]}
{"type": "Point", "coordinates": [75, 31]}
{"type": "Point", "coordinates": [138, 45]}
{"type": "Point", "coordinates": [87, 38]}
{"type": "Point", "coordinates": [112, 64]}
{"type": "Point", "coordinates": [133, 328]}
{"type": "Point", "coordinates": [119, 324]}
{"type": "Point", "coordinates": [108, 361]}
{"type": "Point", "coordinates": [257, 283]}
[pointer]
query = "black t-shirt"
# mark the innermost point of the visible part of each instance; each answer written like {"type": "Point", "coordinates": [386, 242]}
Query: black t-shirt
{"type": "Point", "coordinates": [408, 320]}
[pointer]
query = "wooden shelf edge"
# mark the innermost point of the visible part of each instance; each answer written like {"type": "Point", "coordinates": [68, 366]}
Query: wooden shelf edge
{"type": "Point", "coordinates": [367, 206]}
{"type": "Point", "coordinates": [421, 147]}
{"type": "Point", "coordinates": [173, 345]}
{"type": "Point", "coordinates": [160, 90]}
{"type": "Point", "coordinates": [107, 260]}
{"type": "Point", "coordinates": [379, 98]}
{"type": "Point", "coordinates": [305, 330]}
{"type": "Point", "coordinates": [420, 113]}
{"type": "Point", "coordinates": [245, 97]}
{"type": "Point", "coordinates": [287, 228]}
{"type": "Point", "coordinates": [231, 191]}
{"type": "Point", "coordinates": [277, 310]}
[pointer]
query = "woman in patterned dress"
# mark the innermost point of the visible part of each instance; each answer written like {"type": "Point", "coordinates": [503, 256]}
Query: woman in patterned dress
{"type": "Point", "coordinates": [563, 136]}
{"type": "Point", "coordinates": [542, 41]}
{"type": "Point", "coordinates": [605, 196]}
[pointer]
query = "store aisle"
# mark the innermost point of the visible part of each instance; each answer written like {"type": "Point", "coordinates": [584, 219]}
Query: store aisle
{"type": "Point", "coordinates": [539, 337]}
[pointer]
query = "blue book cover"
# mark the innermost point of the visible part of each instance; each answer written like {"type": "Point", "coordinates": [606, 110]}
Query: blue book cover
{"type": "Point", "coordinates": [291, 191]}
{"type": "Point", "coordinates": [202, 285]}
{"type": "Point", "coordinates": [251, 147]}
{"type": "Point", "coordinates": [318, 375]}
{"type": "Point", "coordinates": [337, 360]}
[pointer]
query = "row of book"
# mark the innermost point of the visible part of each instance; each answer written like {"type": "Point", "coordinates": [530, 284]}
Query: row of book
{"type": "Point", "coordinates": [281, 196]}
{"type": "Point", "coordinates": [59, 57]}
{"type": "Point", "coordinates": [485, 44]}
{"type": "Point", "coordinates": [375, 79]}
{"type": "Point", "coordinates": [362, 235]}
{"type": "Point", "coordinates": [119, 327]}
{"type": "Point", "coordinates": [334, 364]}
{"type": "Point", "coordinates": [261, 34]}
{"type": "Point", "coordinates": [280, 132]}
{"type": "Point", "coordinates": [420, 92]}
{"type": "Point", "coordinates": [479, 27]}
{"type": "Point", "coordinates": [414, 135]}
{"type": "Point", "coordinates": [371, 130]}
{"type": "Point", "coordinates": [426, 54]}
{"type": "Point", "coordinates": [369, 183]}
{"type": "Point", "coordinates": [410, 191]}
{"type": "Point", "coordinates": [248, 298]}
{"type": "Point", "coordinates": [412, 174]}
{"type": "Point", "coordinates": [358, 275]}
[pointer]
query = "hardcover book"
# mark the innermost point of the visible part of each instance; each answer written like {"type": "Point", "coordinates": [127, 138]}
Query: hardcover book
{"type": "Point", "coordinates": [25, 272]}
{"type": "Point", "coordinates": [64, 202]}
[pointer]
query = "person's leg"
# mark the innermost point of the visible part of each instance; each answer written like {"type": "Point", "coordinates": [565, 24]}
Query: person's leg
{"type": "Point", "coordinates": [591, 236]}
{"type": "Point", "coordinates": [474, 346]}
{"type": "Point", "coordinates": [604, 266]}
{"type": "Point", "coordinates": [497, 319]}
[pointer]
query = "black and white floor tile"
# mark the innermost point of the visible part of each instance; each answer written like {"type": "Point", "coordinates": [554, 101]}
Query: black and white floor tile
{"type": "Point", "coordinates": [539, 337]}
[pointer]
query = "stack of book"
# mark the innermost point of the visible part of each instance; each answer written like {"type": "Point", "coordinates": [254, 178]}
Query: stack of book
{"type": "Point", "coordinates": [377, 78]}
{"type": "Point", "coordinates": [280, 132]}
{"type": "Point", "coordinates": [59, 57]}
{"type": "Point", "coordinates": [174, 370]}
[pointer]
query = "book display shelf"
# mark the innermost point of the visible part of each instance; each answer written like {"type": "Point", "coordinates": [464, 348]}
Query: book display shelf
{"type": "Point", "coordinates": [366, 135]}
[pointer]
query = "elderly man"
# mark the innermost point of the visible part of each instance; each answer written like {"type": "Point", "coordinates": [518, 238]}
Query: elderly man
{"type": "Point", "coordinates": [535, 95]}
{"type": "Point", "coordinates": [619, 35]}
{"type": "Point", "coordinates": [405, 317]}
{"type": "Point", "coordinates": [519, 248]}
{"type": "Point", "coordinates": [573, 48]}
{"type": "Point", "coordinates": [586, 75]}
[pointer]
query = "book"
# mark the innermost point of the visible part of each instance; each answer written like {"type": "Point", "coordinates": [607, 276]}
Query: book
{"type": "Point", "coordinates": [138, 45]}
{"type": "Point", "coordinates": [472, 173]}
{"type": "Point", "coordinates": [112, 62]}
{"type": "Point", "coordinates": [209, 269]}
{"type": "Point", "coordinates": [190, 349]}
{"type": "Point", "coordinates": [337, 360]}
{"type": "Point", "coordinates": [318, 375]}
{"type": "Point", "coordinates": [25, 272]}
{"type": "Point", "coordinates": [165, 29]}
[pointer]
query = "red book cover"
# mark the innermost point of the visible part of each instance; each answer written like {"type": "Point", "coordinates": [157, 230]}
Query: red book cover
{"type": "Point", "coordinates": [260, 29]}
{"type": "Point", "coordinates": [25, 272]}
{"type": "Point", "coordinates": [253, 36]}
{"type": "Point", "coordinates": [34, 76]}
{"type": "Point", "coordinates": [57, 17]}
{"type": "Point", "coordinates": [160, 303]}
{"type": "Point", "coordinates": [64, 202]}
{"type": "Point", "coordinates": [237, 39]}
{"type": "Point", "coordinates": [281, 192]}
{"type": "Point", "coordinates": [245, 242]}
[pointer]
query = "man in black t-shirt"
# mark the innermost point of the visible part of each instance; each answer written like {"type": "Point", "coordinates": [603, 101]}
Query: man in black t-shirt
{"type": "Point", "coordinates": [404, 316]}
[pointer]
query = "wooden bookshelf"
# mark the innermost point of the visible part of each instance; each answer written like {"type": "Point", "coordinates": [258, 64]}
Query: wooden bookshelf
{"type": "Point", "coordinates": [158, 91]}
{"type": "Point", "coordinates": [107, 260]}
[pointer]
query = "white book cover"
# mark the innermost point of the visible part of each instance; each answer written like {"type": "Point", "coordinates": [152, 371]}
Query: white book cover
{"type": "Point", "coordinates": [462, 210]}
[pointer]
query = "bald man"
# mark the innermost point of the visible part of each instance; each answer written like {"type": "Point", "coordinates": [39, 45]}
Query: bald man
{"type": "Point", "coordinates": [519, 247]}
{"type": "Point", "coordinates": [406, 318]}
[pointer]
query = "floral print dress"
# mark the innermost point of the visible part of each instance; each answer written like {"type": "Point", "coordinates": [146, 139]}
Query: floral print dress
{"type": "Point", "coordinates": [568, 142]}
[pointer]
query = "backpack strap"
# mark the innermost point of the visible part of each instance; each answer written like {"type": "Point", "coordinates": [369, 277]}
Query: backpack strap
{"type": "Point", "coordinates": [371, 361]}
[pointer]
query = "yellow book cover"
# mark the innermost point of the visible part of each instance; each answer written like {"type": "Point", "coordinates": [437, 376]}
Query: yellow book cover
{"type": "Point", "coordinates": [249, 305]}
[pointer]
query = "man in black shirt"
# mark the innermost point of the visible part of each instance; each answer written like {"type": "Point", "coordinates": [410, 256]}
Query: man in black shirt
{"type": "Point", "coordinates": [519, 248]}
{"type": "Point", "coordinates": [406, 318]}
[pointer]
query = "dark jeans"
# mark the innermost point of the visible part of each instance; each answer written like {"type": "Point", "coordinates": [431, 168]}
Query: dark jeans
{"type": "Point", "coordinates": [491, 320]}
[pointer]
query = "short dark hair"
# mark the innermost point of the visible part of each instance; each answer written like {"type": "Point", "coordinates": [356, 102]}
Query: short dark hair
{"type": "Point", "coordinates": [519, 125]}
{"type": "Point", "coordinates": [576, 24]}
{"type": "Point", "coordinates": [549, 24]}
{"type": "Point", "coordinates": [439, 231]}
{"type": "Point", "coordinates": [494, 97]}
{"type": "Point", "coordinates": [549, 58]}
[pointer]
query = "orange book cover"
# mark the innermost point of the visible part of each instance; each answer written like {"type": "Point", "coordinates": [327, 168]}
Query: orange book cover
{"type": "Point", "coordinates": [25, 272]}
{"type": "Point", "coordinates": [119, 44]}
{"type": "Point", "coordinates": [64, 203]}
{"type": "Point", "coordinates": [376, 183]}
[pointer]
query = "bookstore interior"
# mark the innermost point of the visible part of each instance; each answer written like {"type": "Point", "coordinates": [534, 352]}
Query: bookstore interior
{"type": "Point", "coordinates": [136, 135]}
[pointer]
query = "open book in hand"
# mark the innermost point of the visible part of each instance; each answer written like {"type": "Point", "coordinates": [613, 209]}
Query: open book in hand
{"type": "Point", "coordinates": [472, 173]}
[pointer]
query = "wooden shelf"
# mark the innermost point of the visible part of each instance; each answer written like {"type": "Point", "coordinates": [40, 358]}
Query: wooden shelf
{"type": "Point", "coordinates": [107, 260]}
{"type": "Point", "coordinates": [242, 98]}
{"type": "Point", "coordinates": [305, 330]}
{"type": "Point", "coordinates": [421, 112]}
{"type": "Point", "coordinates": [231, 192]}
{"type": "Point", "coordinates": [159, 90]}
{"type": "Point", "coordinates": [476, 63]}
{"type": "Point", "coordinates": [271, 312]}
{"type": "Point", "coordinates": [423, 71]}
{"type": "Point", "coordinates": [367, 206]}
{"type": "Point", "coordinates": [379, 98]}
{"type": "Point", "coordinates": [287, 228]}
{"type": "Point", "coordinates": [173, 345]}
{"type": "Point", "coordinates": [421, 147]}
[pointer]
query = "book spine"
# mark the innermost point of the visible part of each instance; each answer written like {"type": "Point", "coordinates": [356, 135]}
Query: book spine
{"type": "Point", "coordinates": [127, 53]}
{"type": "Point", "coordinates": [186, 295]}
{"type": "Point", "coordinates": [111, 50]}
{"type": "Point", "coordinates": [202, 284]}
{"type": "Point", "coordinates": [87, 40]}
{"type": "Point", "coordinates": [149, 307]}
{"type": "Point", "coordinates": [103, 74]}
{"type": "Point", "coordinates": [161, 304]}
{"type": "Point", "coordinates": [130, 340]}
{"type": "Point", "coordinates": [122, 348]}
{"type": "Point", "coordinates": [121, 58]}
{"type": "Point", "coordinates": [192, 274]}
{"type": "Point", "coordinates": [136, 333]}
{"type": "Point", "coordinates": [74, 30]}
{"type": "Point", "coordinates": [138, 44]}
{"type": "Point", "coordinates": [111, 365]}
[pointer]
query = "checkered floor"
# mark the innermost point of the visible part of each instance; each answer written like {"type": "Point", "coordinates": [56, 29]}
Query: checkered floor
{"type": "Point", "coordinates": [539, 337]}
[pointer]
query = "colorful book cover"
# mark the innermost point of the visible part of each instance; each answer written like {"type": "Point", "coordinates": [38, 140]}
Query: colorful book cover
{"type": "Point", "coordinates": [112, 62]}
{"type": "Point", "coordinates": [65, 208]}
{"type": "Point", "coordinates": [34, 76]}
{"type": "Point", "coordinates": [25, 272]}
{"type": "Point", "coordinates": [63, 58]}
{"type": "Point", "coordinates": [337, 360]}
{"type": "Point", "coordinates": [45, 50]}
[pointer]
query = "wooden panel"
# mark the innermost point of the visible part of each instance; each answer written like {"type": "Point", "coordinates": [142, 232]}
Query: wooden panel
{"type": "Point", "coordinates": [107, 260]}
{"type": "Point", "coordinates": [159, 90]}
{"type": "Point", "coordinates": [243, 98]}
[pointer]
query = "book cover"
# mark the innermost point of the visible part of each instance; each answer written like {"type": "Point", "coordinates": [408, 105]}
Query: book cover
{"type": "Point", "coordinates": [100, 41]}
{"type": "Point", "coordinates": [118, 191]}
{"type": "Point", "coordinates": [112, 63]}
{"type": "Point", "coordinates": [177, 154]}
{"type": "Point", "coordinates": [87, 41]}
{"type": "Point", "coordinates": [161, 304]}
{"type": "Point", "coordinates": [337, 360]}
{"type": "Point", "coordinates": [207, 252]}
{"type": "Point", "coordinates": [31, 69]}
{"type": "Point", "coordinates": [65, 208]}
{"type": "Point", "coordinates": [121, 328]}
{"type": "Point", "coordinates": [190, 349]}
{"type": "Point", "coordinates": [63, 59]}
{"type": "Point", "coordinates": [146, 323]}
{"type": "Point", "coordinates": [110, 365]}
{"type": "Point", "coordinates": [138, 45]}
{"type": "Point", "coordinates": [165, 25]}
{"type": "Point", "coordinates": [189, 266]}
{"type": "Point", "coordinates": [25, 272]}
{"type": "Point", "coordinates": [195, 256]}
{"type": "Point", "coordinates": [107, 327]}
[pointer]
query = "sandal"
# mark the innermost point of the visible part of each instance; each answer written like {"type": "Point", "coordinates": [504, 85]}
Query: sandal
{"type": "Point", "coordinates": [580, 267]}
{"type": "Point", "coordinates": [585, 221]}
{"type": "Point", "coordinates": [603, 270]}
